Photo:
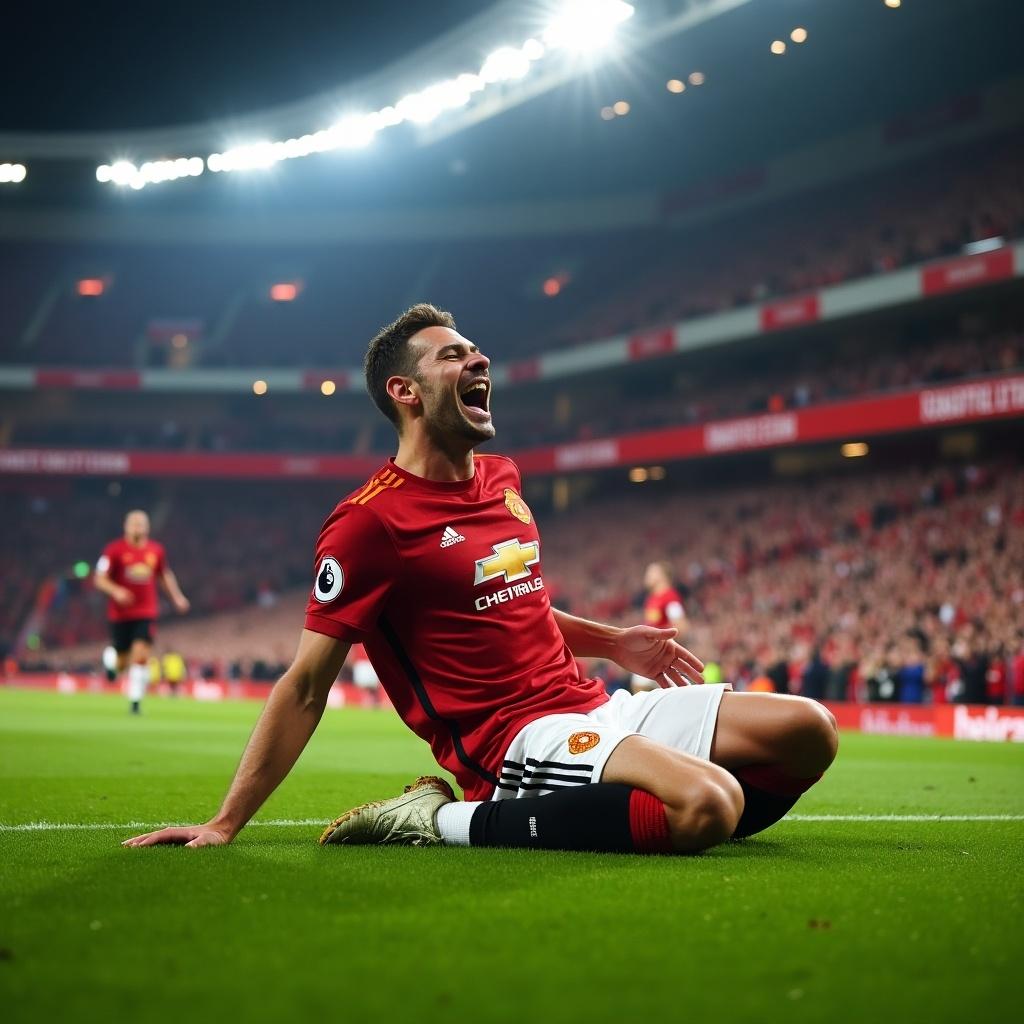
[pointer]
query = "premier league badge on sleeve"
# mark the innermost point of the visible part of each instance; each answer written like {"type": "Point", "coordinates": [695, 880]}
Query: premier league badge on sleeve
{"type": "Point", "coordinates": [330, 578]}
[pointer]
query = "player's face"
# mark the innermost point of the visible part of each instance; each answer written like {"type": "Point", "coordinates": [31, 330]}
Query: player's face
{"type": "Point", "coordinates": [136, 527]}
{"type": "Point", "coordinates": [455, 386]}
{"type": "Point", "coordinates": [653, 576]}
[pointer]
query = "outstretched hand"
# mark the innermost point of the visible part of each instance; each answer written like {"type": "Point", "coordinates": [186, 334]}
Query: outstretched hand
{"type": "Point", "coordinates": [653, 653]}
{"type": "Point", "coordinates": [183, 835]}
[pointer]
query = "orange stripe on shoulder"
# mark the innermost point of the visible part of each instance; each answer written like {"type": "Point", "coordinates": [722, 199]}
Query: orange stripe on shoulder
{"type": "Point", "coordinates": [367, 496]}
{"type": "Point", "coordinates": [367, 487]}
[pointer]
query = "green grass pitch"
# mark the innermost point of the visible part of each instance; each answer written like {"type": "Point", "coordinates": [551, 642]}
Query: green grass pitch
{"type": "Point", "coordinates": [813, 920]}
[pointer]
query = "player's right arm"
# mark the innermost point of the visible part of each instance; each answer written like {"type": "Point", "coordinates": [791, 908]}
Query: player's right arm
{"type": "Point", "coordinates": [290, 716]}
{"type": "Point", "coordinates": [105, 585]}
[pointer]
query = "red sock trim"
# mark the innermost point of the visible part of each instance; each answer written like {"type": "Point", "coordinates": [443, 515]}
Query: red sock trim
{"type": "Point", "coordinates": [648, 823]}
{"type": "Point", "coordinates": [772, 779]}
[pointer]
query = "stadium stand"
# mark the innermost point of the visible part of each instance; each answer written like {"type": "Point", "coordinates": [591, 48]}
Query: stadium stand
{"type": "Point", "coordinates": [620, 281]}
{"type": "Point", "coordinates": [859, 361]}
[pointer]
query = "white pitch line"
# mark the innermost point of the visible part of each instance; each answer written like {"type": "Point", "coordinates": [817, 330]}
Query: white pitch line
{"type": "Point", "coordinates": [66, 826]}
{"type": "Point", "coordinates": [904, 817]}
{"type": "Point", "coordinates": [59, 826]}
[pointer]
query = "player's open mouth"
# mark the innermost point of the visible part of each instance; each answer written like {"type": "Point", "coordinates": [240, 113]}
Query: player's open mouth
{"type": "Point", "coordinates": [476, 398]}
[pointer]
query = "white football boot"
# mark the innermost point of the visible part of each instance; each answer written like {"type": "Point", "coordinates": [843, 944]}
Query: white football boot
{"type": "Point", "coordinates": [406, 820]}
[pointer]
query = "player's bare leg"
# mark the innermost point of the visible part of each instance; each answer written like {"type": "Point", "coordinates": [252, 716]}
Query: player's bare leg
{"type": "Point", "coordinates": [138, 673]}
{"type": "Point", "coordinates": [702, 802]}
{"type": "Point", "coordinates": [777, 747]}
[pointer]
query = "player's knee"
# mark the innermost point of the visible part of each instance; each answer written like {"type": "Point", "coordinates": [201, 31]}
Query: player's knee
{"type": "Point", "coordinates": [816, 734]}
{"type": "Point", "coordinates": [708, 812]}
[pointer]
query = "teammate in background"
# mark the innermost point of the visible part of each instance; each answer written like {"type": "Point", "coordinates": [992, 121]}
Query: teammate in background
{"type": "Point", "coordinates": [663, 608]}
{"type": "Point", "coordinates": [127, 572]}
{"type": "Point", "coordinates": [435, 566]}
{"type": "Point", "coordinates": [364, 675]}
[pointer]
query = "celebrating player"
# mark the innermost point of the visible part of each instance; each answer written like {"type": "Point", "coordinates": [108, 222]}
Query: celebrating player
{"type": "Point", "coordinates": [127, 573]}
{"type": "Point", "coordinates": [663, 607]}
{"type": "Point", "coordinates": [434, 564]}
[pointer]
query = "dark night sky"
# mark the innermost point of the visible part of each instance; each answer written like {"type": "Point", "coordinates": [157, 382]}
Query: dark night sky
{"type": "Point", "coordinates": [107, 65]}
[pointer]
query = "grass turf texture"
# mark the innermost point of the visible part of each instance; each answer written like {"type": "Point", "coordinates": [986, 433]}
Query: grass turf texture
{"type": "Point", "coordinates": [917, 921]}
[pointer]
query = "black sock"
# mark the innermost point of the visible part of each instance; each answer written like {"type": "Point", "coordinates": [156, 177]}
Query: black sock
{"type": "Point", "coordinates": [761, 809]}
{"type": "Point", "coordinates": [586, 818]}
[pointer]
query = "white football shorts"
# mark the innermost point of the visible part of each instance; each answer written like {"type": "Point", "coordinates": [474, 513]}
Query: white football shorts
{"type": "Point", "coordinates": [563, 751]}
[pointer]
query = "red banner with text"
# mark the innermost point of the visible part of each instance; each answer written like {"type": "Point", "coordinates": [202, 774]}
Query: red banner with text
{"type": "Point", "coordinates": [853, 420]}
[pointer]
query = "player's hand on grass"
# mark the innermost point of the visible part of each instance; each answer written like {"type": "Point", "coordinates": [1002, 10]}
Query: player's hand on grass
{"type": "Point", "coordinates": [653, 653]}
{"type": "Point", "coordinates": [184, 835]}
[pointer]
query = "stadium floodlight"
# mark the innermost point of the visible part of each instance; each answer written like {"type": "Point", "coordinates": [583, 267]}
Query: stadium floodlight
{"type": "Point", "coordinates": [586, 25]}
{"type": "Point", "coordinates": [353, 132]}
{"type": "Point", "coordinates": [12, 174]}
{"type": "Point", "coordinates": [577, 25]}
{"type": "Point", "coordinates": [505, 65]}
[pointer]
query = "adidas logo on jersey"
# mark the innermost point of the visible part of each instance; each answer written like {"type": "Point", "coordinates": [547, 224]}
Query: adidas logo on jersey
{"type": "Point", "coordinates": [450, 537]}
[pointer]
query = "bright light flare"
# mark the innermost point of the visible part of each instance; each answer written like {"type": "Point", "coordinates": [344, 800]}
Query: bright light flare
{"type": "Point", "coordinates": [505, 65]}
{"type": "Point", "coordinates": [12, 174]}
{"type": "Point", "coordinates": [285, 291]}
{"type": "Point", "coordinates": [91, 287]}
{"type": "Point", "coordinates": [585, 26]}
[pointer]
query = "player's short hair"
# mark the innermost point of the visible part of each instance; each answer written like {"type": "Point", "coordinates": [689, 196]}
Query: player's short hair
{"type": "Point", "coordinates": [389, 353]}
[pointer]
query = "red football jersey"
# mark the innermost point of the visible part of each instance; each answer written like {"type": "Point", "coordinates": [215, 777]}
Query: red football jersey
{"type": "Point", "coordinates": [660, 609]}
{"type": "Point", "coordinates": [137, 568]}
{"type": "Point", "coordinates": [442, 583]}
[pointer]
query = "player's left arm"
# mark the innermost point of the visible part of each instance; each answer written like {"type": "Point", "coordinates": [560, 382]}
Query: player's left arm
{"type": "Point", "coordinates": [644, 650]}
{"type": "Point", "coordinates": [170, 584]}
{"type": "Point", "coordinates": [676, 615]}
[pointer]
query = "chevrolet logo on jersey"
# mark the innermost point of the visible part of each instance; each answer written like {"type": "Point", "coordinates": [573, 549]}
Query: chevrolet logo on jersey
{"type": "Point", "coordinates": [511, 560]}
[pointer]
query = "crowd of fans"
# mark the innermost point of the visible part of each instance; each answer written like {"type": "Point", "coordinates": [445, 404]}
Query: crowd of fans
{"type": "Point", "coordinates": [860, 364]}
{"type": "Point", "coordinates": [901, 586]}
{"type": "Point", "coordinates": [874, 225]}
{"type": "Point", "coordinates": [896, 587]}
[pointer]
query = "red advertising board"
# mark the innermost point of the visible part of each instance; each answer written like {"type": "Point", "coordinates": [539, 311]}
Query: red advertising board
{"type": "Point", "coordinates": [795, 312]}
{"type": "Point", "coordinates": [648, 344]}
{"type": "Point", "coordinates": [526, 369]}
{"type": "Point", "coordinates": [955, 721]}
{"type": "Point", "coordinates": [107, 380]}
{"type": "Point", "coordinates": [968, 272]}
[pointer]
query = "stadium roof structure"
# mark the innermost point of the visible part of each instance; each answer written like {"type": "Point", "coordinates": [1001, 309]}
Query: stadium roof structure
{"type": "Point", "coordinates": [541, 137]}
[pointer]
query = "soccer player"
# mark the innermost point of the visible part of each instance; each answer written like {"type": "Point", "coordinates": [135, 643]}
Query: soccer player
{"type": "Point", "coordinates": [127, 572]}
{"type": "Point", "coordinates": [434, 564]}
{"type": "Point", "coordinates": [663, 608]}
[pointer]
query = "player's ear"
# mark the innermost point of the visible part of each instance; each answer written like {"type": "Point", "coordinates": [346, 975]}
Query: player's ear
{"type": "Point", "coordinates": [403, 391]}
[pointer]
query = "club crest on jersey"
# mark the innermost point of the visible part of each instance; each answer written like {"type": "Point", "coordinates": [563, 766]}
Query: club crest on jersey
{"type": "Point", "coordinates": [511, 560]}
{"type": "Point", "coordinates": [581, 742]}
{"type": "Point", "coordinates": [517, 506]}
{"type": "Point", "coordinates": [330, 578]}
